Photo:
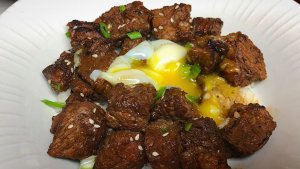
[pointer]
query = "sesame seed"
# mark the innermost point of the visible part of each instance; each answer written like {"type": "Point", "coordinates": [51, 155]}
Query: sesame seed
{"type": "Point", "coordinates": [172, 20]}
{"type": "Point", "coordinates": [206, 96]}
{"type": "Point", "coordinates": [236, 115]}
{"type": "Point", "coordinates": [121, 26]}
{"type": "Point", "coordinates": [75, 27]}
{"type": "Point", "coordinates": [155, 154]}
{"type": "Point", "coordinates": [81, 94]}
{"type": "Point", "coordinates": [89, 38]}
{"type": "Point", "coordinates": [96, 126]}
{"type": "Point", "coordinates": [94, 129]}
{"type": "Point", "coordinates": [155, 30]}
{"type": "Point", "coordinates": [140, 148]}
{"type": "Point", "coordinates": [91, 121]}
{"type": "Point", "coordinates": [72, 70]}
{"type": "Point", "coordinates": [109, 26]}
{"type": "Point", "coordinates": [190, 20]}
{"type": "Point", "coordinates": [67, 51]}
{"type": "Point", "coordinates": [160, 27]}
{"type": "Point", "coordinates": [164, 135]}
{"type": "Point", "coordinates": [94, 110]}
{"type": "Point", "coordinates": [137, 137]}
{"type": "Point", "coordinates": [195, 118]}
{"type": "Point", "coordinates": [68, 63]}
{"type": "Point", "coordinates": [70, 126]}
{"type": "Point", "coordinates": [177, 6]}
{"type": "Point", "coordinates": [49, 81]}
{"type": "Point", "coordinates": [131, 139]}
{"type": "Point", "coordinates": [94, 55]}
{"type": "Point", "coordinates": [161, 14]}
{"type": "Point", "coordinates": [191, 26]}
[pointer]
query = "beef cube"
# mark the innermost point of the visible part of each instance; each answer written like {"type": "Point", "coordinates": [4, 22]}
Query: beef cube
{"type": "Point", "coordinates": [162, 144]}
{"type": "Point", "coordinates": [76, 97]}
{"type": "Point", "coordinates": [59, 74]}
{"type": "Point", "coordinates": [129, 44]}
{"type": "Point", "coordinates": [203, 146]}
{"type": "Point", "coordinates": [122, 150]}
{"type": "Point", "coordinates": [172, 22]}
{"type": "Point", "coordinates": [83, 34]}
{"type": "Point", "coordinates": [207, 26]}
{"type": "Point", "coordinates": [135, 17]}
{"type": "Point", "coordinates": [174, 105]}
{"type": "Point", "coordinates": [129, 106]}
{"type": "Point", "coordinates": [249, 128]}
{"type": "Point", "coordinates": [244, 62]}
{"type": "Point", "coordinates": [98, 57]}
{"type": "Point", "coordinates": [208, 52]}
{"type": "Point", "coordinates": [78, 130]}
{"type": "Point", "coordinates": [83, 89]}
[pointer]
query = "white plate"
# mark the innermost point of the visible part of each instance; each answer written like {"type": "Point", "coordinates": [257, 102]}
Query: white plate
{"type": "Point", "coordinates": [32, 37]}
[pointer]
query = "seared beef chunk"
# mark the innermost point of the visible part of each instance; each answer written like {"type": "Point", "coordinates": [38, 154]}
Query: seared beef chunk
{"type": "Point", "coordinates": [174, 105]}
{"type": "Point", "coordinates": [129, 44]}
{"type": "Point", "coordinates": [122, 150]}
{"type": "Point", "coordinates": [207, 26]}
{"type": "Point", "coordinates": [172, 22]}
{"type": "Point", "coordinates": [129, 106]}
{"type": "Point", "coordinates": [76, 97]}
{"type": "Point", "coordinates": [135, 17]}
{"type": "Point", "coordinates": [83, 89]}
{"type": "Point", "coordinates": [78, 130]}
{"type": "Point", "coordinates": [203, 146]}
{"type": "Point", "coordinates": [208, 52]}
{"type": "Point", "coordinates": [249, 128]}
{"type": "Point", "coordinates": [60, 73]}
{"type": "Point", "coordinates": [244, 62]}
{"type": "Point", "coordinates": [162, 143]}
{"type": "Point", "coordinates": [83, 34]}
{"type": "Point", "coordinates": [98, 57]}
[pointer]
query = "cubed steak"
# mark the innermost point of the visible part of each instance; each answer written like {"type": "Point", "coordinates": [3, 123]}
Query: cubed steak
{"type": "Point", "coordinates": [78, 131]}
{"type": "Point", "coordinates": [203, 146]}
{"type": "Point", "coordinates": [249, 128]}
{"type": "Point", "coordinates": [129, 106]}
{"type": "Point", "coordinates": [174, 105]}
{"type": "Point", "coordinates": [120, 20]}
{"type": "Point", "coordinates": [121, 150]}
{"type": "Point", "coordinates": [59, 74]}
{"type": "Point", "coordinates": [83, 89]}
{"type": "Point", "coordinates": [172, 22]}
{"type": "Point", "coordinates": [207, 26]}
{"type": "Point", "coordinates": [162, 144]}
{"type": "Point", "coordinates": [207, 52]}
{"type": "Point", "coordinates": [129, 44]}
{"type": "Point", "coordinates": [244, 62]}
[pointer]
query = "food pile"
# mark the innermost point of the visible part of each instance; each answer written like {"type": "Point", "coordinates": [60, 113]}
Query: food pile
{"type": "Point", "coordinates": [128, 121]}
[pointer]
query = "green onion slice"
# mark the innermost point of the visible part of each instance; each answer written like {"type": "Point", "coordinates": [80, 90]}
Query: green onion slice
{"type": "Point", "coordinates": [53, 104]}
{"type": "Point", "coordinates": [122, 8]}
{"type": "Point", "coordinates": [193, 99]}
{"type": "Point", "coordinates": [188, 46]}
{"type": "Point", "coordinates": [104, 30]}
{"type": "Point", "coordinates": [163, 130]}
{"type": "Point", "coordinates": [57, 87]}
{"type": "Point", "coordinates": [187, 126]}
{"type": "Point", "coordinates": [160, 92]}
{"type": "Point", "coordinates": [68, 34]}
{"type": "Point", "coordinates": [87, 163]}
{"type": "Point", "coordinates": [134, 35]}
{"type": "Point", "coordinates": [195, 71]}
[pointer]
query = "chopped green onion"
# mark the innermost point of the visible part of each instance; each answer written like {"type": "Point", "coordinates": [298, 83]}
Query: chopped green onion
{"type": "Point", "coordinates": [160, 92]}
{"type": "Point", "coordinates": [87, 163]}
{"type": "Point", "coordinates": [53, 104]}
{"type": "Point", "coordinates": [193, 99]}
{"type": "Point", "coordinates": [195, 71]}
{"type": "Point", "coordinates": [104, 30]}
{"type": "Point", "coordinates": [163, 130]}
{"type": "Point", "coordinates": [57, 87]}
{"type": "Point", "coordinates": [134, 35]}
{"type": "Point", "coordinates": [188, 46]}
{"type": "Point", "coordinates": [122, 8]}
{"type": "Point", "coordinates": [68, 34]}
{"type": "Point", "coordinates": [187, 126]}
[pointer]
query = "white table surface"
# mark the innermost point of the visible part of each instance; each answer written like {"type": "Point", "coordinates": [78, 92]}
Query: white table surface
{"type": "Point", "coordinates": [4, 4]}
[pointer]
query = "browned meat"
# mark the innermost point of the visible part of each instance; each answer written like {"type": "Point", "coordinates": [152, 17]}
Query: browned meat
{"type": "Point", "coordinates": [83, 89]}
{"type": "Point", "coordinates": [174, 105]}
{"type": "Point", "coordinates": [98, 57]}
{"type": "Point", "coordinates": [122, 150]}
{"type": "Point", "coordinates": [60, 73]}
{"type": "Point", "coordinates": [249, 128]}
{"type": "Point", "coordinates": [207, 26]}
{"type": "Point", "coordinates": [78, 130]}
{"type": "Point", "coordinates": [162, 143]}
{"type": "Point", "coordinates": [84, 34]}
{"type": "Point", "coordinates": [172, 22]}
{"type": "Point", "coordinates": [244, 62]}
{"type": "Point", "coordinates": [135, 18]}
{"type": "Point", "coordinates": [129, 44]}
{"type": "Point", "coordinates": [208, 52]}
{"type": "Point", "coordinates": [202, 143]}
{"type": "Point", "coordinates": [129, 106]}
{"type": "Point", "coordinates": [75, 97]}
